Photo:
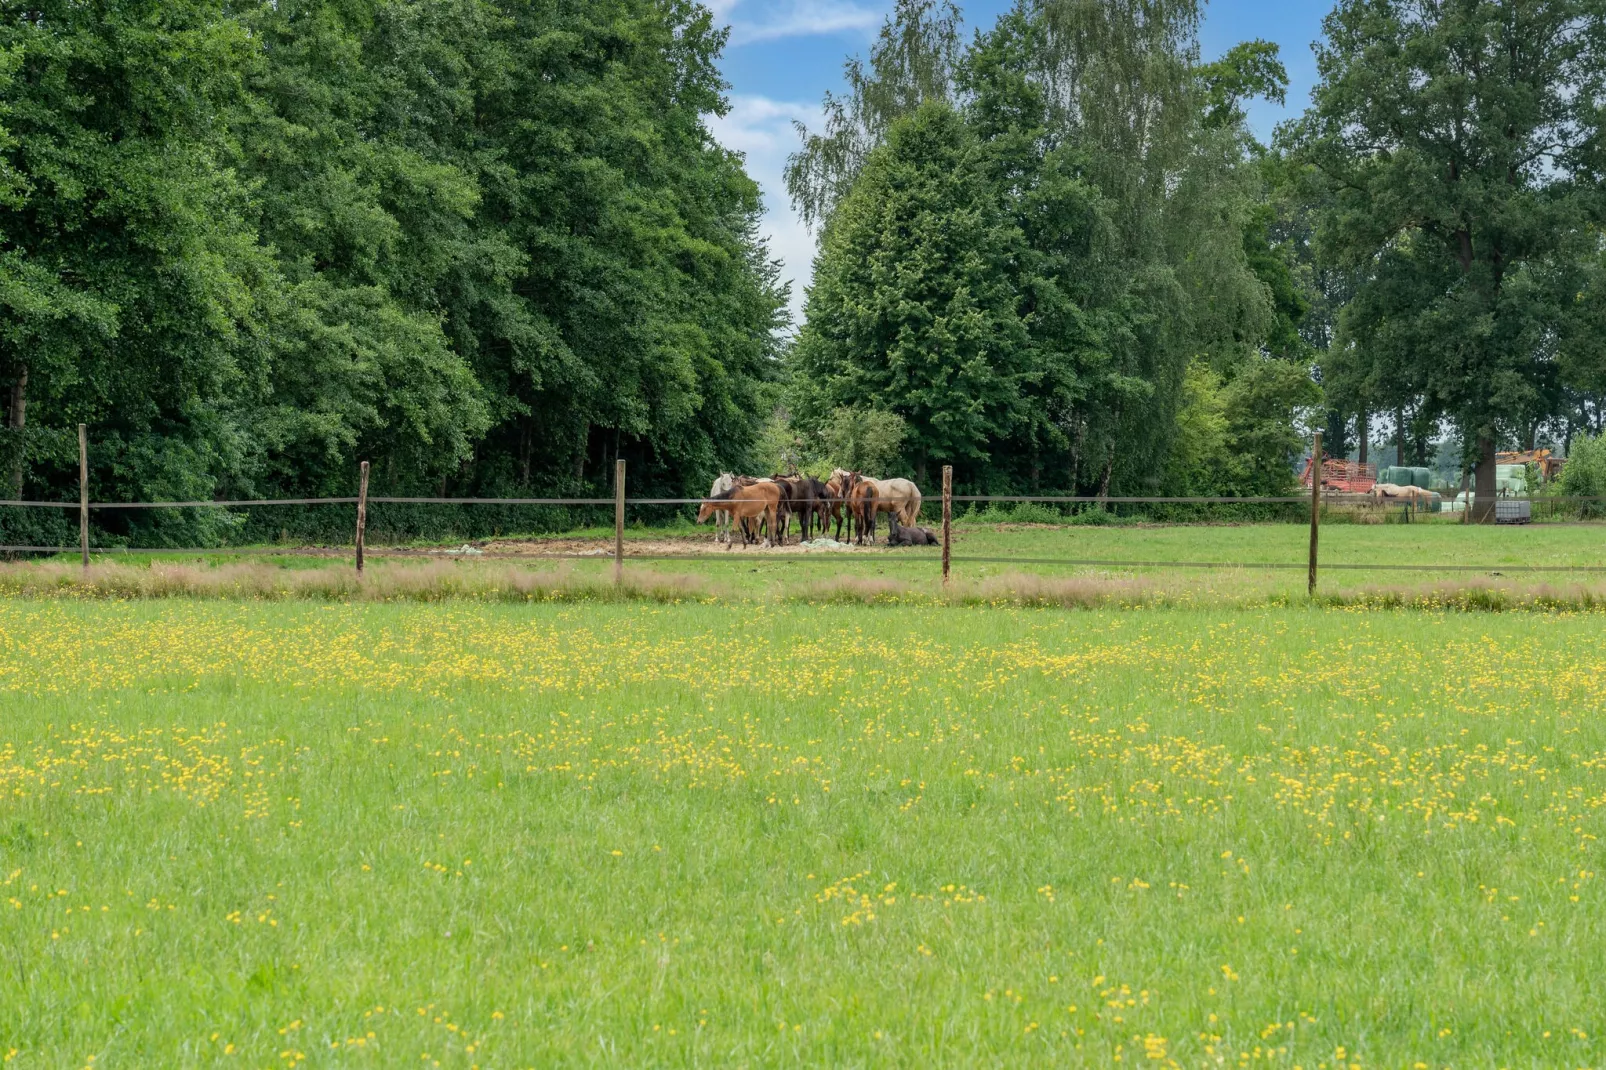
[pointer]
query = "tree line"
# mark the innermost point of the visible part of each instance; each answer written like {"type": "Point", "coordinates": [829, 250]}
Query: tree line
{"type": "Point", "coordinates": [491, 245]}
{"type": "Point", "coordinates": [487, 245]}
{"type": "Point", "coordinates": [1057, 257]}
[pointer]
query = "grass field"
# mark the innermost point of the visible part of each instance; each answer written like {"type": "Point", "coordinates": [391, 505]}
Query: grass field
{"type": "Point", "coordinates": [769, 833]}
{"type": "Point", "coordinates": [1122, 564]}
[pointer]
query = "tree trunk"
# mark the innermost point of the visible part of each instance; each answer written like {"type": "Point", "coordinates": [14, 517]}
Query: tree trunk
{"type": "Point", "coordinates": [19, 421]}
{"type": "Point", "coordinates": [1076, 455]}
{"type": "Point", "coordinates": [1335, 442]}
{"type": "Point", "coordinates": [1363, 430]}
{"type": "Point", "coordinates": [1484, 482]}
{"type": "Point", "coordinates": [1399, 437]}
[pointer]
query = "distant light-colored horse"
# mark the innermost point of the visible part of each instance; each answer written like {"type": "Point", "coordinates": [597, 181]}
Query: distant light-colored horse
{"type": "Point", "coordinates": [899, 497]}
{"type": "Point", "coordinates": [722, 522]}
{"type": "Point", "coordinates": [1420, 497]}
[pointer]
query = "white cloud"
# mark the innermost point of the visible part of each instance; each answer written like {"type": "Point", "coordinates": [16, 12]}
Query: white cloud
{"type": "Point", "coordinates": [761, 129]}
{"type": "Point", "coordinates": [798, 18]}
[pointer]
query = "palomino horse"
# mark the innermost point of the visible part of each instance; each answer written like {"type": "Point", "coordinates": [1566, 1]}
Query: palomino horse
{"type": "Point", "coordinates": [899, 497]}
{"type": "Point", "coordinates": [758, 502]}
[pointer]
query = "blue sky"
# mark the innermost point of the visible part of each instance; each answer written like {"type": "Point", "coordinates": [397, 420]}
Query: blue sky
{"type": "Point", "coordinates": [784, 54]}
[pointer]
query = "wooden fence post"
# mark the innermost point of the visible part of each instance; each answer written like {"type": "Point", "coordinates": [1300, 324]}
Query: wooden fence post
{"type": "Point", "coordinates": [1315, 506]}
{"type": "Point", "coordinates": [362, 514]}
{"type": "Point", "coordinates": [83, 492]}
{"type": "Point", "coordinates": [618, 522]}
{"type": "Point", "coordinates": [947, 516]}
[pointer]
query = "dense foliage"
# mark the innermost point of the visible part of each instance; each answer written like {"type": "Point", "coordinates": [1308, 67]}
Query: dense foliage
{"type": "Point", "coordinates": [1453, 159]}
{"type": "Point", "coordinates": [490, 245]}
{"type": "Point", "coordinates": [487, 245]}
{"type": "Point", "coordinates": [1053, 262]}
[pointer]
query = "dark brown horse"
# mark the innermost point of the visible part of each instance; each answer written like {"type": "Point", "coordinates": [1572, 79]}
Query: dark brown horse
{"type": "Point", "coordinates": [802, 498]}
{"type": "Point", "coordinates": [820, 505]}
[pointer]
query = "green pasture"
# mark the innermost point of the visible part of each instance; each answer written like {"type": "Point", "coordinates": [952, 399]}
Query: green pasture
{"type": "Point", "coordinates": [775, 834]}
{"type": "Point", "coordinates": [1353, 557]}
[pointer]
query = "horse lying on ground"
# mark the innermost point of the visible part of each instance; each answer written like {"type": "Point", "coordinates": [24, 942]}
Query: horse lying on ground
{"type": "Point", "coordinates": [901, 535]}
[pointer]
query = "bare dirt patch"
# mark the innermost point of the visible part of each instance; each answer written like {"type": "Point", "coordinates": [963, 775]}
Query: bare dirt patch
{"type": "Point", "coordinates": [658, 546]}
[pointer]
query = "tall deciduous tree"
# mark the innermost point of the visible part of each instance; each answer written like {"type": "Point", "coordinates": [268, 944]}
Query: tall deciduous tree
{"type": "Point", "coordinates": [1116, 172]}
{"type": "Point", "coordinates": [130, 277]}
{"type": "Point", "coordinates": [913, 309]}
{"type": "Point", "coordinates": [913, 61]}
{"type": "Point", "coordinates": [1455, 144]}
{"type": "Point", "coordinates": [486, 244]}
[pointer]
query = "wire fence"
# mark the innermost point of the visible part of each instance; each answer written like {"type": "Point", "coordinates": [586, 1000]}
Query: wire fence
{"type": "Point", "coordinates": [1319, 500]}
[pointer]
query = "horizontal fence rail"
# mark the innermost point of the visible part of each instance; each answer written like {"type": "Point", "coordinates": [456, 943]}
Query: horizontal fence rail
{"type": "Point", "coordinates": [1317, 497]}
{"type": "Point", "coordinates": [247, 503]}
{"type": "Point", "coordinates": [916, 554]}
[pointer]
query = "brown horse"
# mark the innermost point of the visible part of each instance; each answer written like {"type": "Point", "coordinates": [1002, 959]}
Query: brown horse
{"type": "Point", "coordinates": [759, 502]}
{"type": "Point", "coordinates": [819, 505]}
{"type": "Point", "coordinates": [861, 506]}
{"type": "Point", "coordinates": [832, 509]}
{"type": "Point", "coordinates": [800, 499]}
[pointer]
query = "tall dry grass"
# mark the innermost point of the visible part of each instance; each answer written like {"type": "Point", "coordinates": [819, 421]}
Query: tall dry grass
{"type": "Point", "coordinates": [1473, 595]}
{"type": "Point", "coordinates": [434, 581]}
{"type": "Point", "coordinates": [442, 581]}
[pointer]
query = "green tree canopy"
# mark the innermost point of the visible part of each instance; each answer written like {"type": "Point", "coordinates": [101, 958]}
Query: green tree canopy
{"type": "Point", "coordinates": [485, 244]}
{"type": "Point", "coordinates": [912, 309]}
{"type": "Point", "coordinates": [1088, 199]}
{"type": "Point", "coordinates": [1454, 149]}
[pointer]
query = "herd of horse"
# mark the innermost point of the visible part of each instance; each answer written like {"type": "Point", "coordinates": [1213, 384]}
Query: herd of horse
{"type": "Point", "coordinates": [764, 507]}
